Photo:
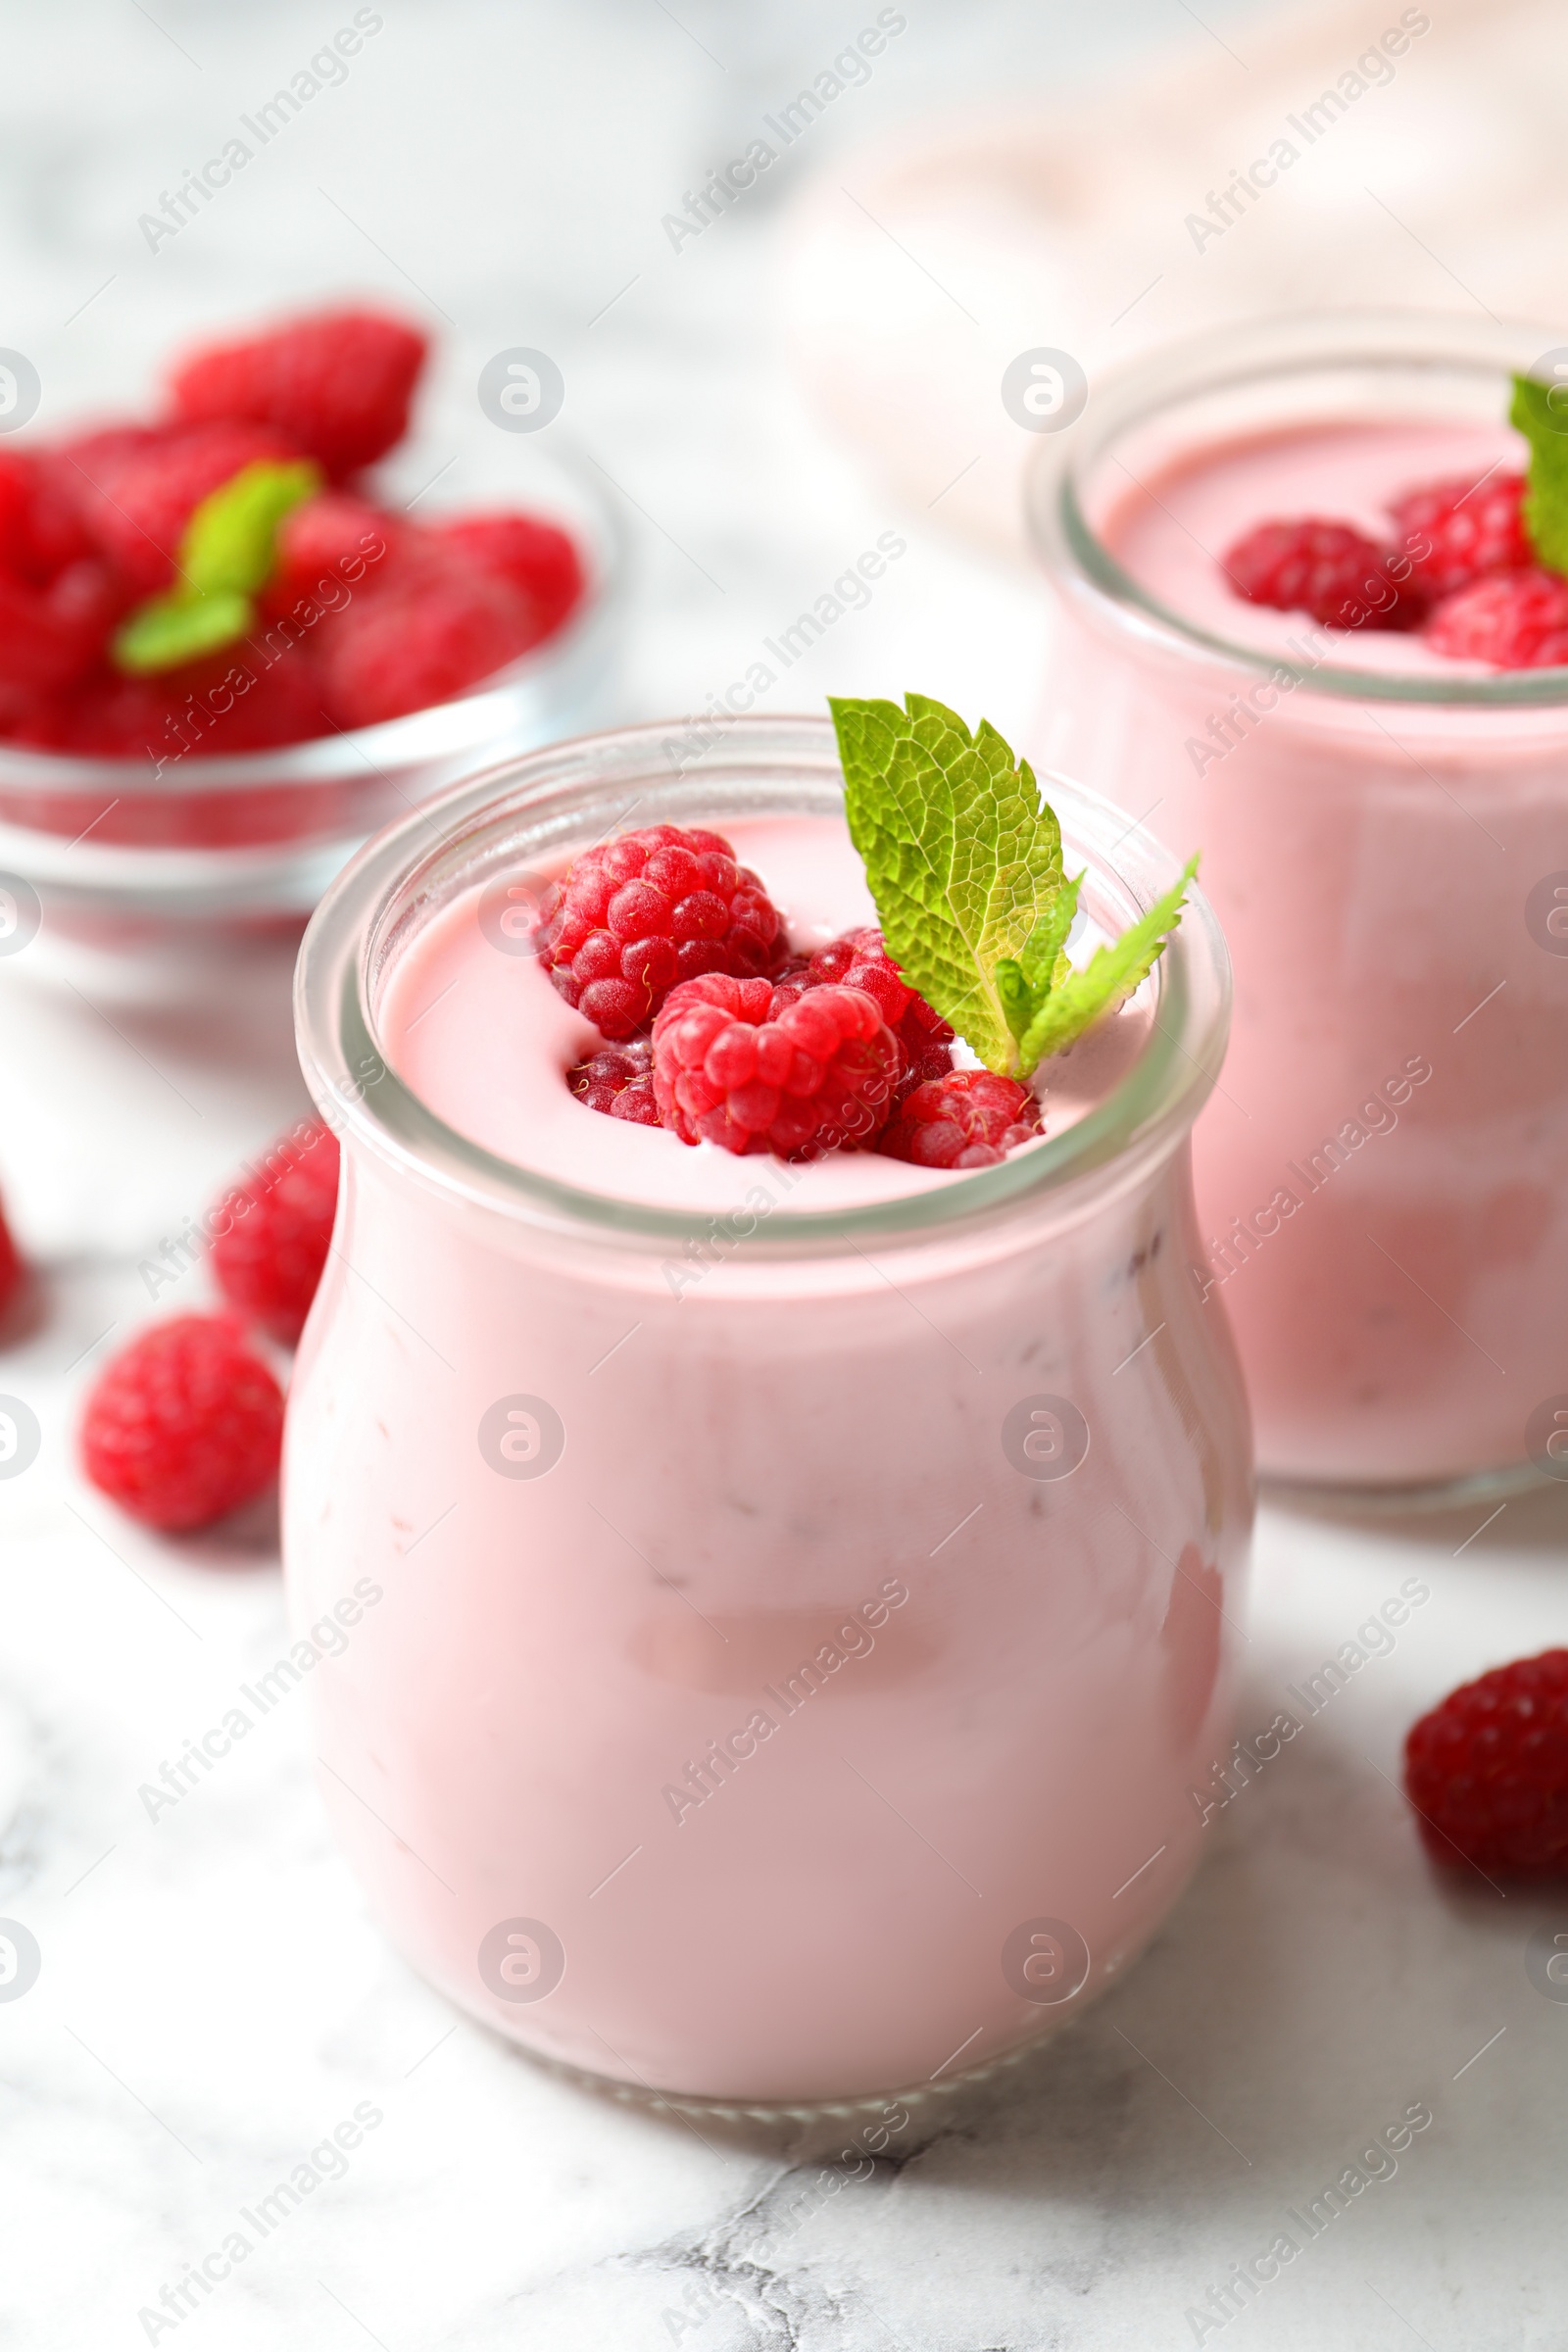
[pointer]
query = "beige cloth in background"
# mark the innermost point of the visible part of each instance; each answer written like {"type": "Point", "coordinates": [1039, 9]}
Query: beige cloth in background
{"type": "Point", "coordinates": [1436, 178]}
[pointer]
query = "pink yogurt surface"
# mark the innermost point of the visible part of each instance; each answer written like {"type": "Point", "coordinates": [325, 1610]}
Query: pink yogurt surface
{"type": "Point", "coordinates": [459, 1016]}
{"type": "Point", "coordinates": [1173, 534]}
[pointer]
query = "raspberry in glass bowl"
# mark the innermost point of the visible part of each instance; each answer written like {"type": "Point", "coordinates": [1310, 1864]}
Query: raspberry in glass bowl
{"type": "Point", "coordinates": [238, 633]}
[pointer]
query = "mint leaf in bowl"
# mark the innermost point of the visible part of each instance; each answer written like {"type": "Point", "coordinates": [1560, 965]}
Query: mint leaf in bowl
{"type": "Point", "coordinates": [228, 551]}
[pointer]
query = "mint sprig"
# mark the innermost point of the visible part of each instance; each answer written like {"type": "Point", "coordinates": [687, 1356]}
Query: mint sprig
{"type": "Point", "coordinates": [169, 630]}
{"type": "Point", "coordinates": [963, 859]}
{"type": "Point", "coordinates": [228, 549]}
{"type": "Point", "coordinates": [1545, 499]}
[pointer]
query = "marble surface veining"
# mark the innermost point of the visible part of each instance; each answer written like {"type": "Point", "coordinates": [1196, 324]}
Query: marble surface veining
{"type": "Point", "coordinates": [213, 2002]}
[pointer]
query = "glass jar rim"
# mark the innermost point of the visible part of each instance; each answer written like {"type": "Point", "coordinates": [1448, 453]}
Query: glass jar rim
{"type": "Point", "coordinates": [1255, 352]}
{"type": "Point", "coordinates": [474, 828]}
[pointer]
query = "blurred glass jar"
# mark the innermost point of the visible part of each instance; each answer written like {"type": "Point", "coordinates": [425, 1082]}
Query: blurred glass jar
{"type": "Point", "coordinates": [1380, 1178]}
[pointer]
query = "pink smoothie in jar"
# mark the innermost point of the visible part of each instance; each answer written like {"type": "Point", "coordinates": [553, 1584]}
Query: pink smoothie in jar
{"type": "Point", "coordinates": [1380, 1174]}
{"type": "Point", "coordinates": [804, 1594]}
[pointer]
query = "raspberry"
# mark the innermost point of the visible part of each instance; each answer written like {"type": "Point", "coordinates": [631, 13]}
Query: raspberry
{"type": "Point", "coordinates": [329, 539]}
{"type": "Point", "coordinates": [533, 556]}
{"type": "Point", "coordinates": [1487, 1770]}
{"type": "Point", "coordinates": [927, 1042]}
{"type": "Point", "coordinates": [420, 642]}
{"type": "Point", "coordinates": [656, 906]}
{"type": "Point", "coordinates": [1325, 568]}
{"type": "Point", "coordinates": [40, 530]}
{"type": "Point", "coordinates": [338, 383]}
{"type": "Point", "coordinates": [1516, 621]}
{"type": "Point", "coordinates": [92, 453]}
{"type": "Point", "coordinates": [49, 636]}
{"type": "Point", "coordinates": [619, 1081]}
{"type": "Point", "coordinates": [197, 711]}
{"type": "Point", "coordinates": [1472, 529]}
{"type": "Point", "coordinates": [859, 960]}
{"type": "Point", "coordinates": [183, 1425]}
{"type": "Point", "coordinates": [755, 1068]}
{"type": "Point", "coordinates": [37, 722]}
{"type": "Point", "coordinates": [136, 490]}
{"type": "Point", "coordinates": [11, 1266]}
{"type": "Point", "coordinates": [269, 1257]}
{"type": "Point", "coordinates": [968, 1119]}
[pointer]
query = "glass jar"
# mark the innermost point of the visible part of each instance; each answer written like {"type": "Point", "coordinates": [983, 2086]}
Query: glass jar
{"type": "Point", "coordinates": [763, 1660]}
{"type": "Point", "coordinates": [1380, 1177]}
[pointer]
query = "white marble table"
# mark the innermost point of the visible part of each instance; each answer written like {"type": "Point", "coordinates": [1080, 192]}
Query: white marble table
{"type": "Point", "coordinates": [213, 2002]}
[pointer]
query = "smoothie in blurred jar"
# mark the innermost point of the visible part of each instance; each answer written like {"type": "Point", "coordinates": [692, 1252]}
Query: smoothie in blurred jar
{"type": "Point", "coordinates": [1383, 799]}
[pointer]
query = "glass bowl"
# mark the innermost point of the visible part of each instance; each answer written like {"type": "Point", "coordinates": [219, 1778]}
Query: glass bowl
{"type": "Point", "coordinates": [109, 859]}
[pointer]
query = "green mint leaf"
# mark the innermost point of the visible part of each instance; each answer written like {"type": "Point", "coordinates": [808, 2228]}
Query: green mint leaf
{"type": "Point", "coordinates": [1015, 995]}
{"type": "Point", "coordinates": [169, 630]}
{"type": "Point", "coordinates": [1026, 984]}
{"type": "Point", "coordinates": [229, 551]}
{"type": "Point", "coordinates": [1541, 412]}
{"type": "Point", "coordinates": [232, 538]}
{"type": "Point", "coordinates": [1080, 999]}
{"type": "Point", "coordinates": [963, 859]}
